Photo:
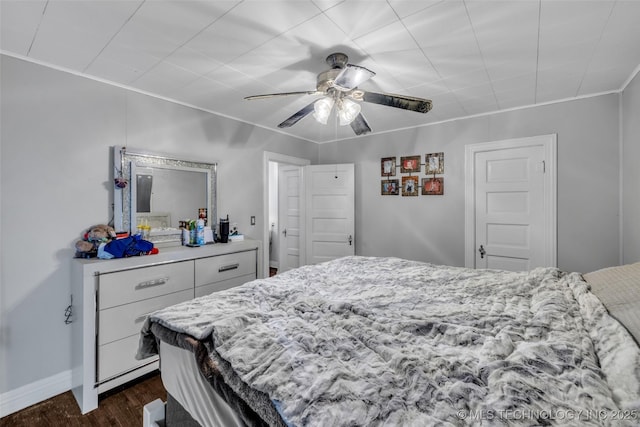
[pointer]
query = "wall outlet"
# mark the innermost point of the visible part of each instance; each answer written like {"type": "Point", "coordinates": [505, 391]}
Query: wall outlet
{"type": "Point", "coordinates": [253, 220]}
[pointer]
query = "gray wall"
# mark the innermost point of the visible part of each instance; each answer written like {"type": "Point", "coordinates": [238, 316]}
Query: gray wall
{"type": "Point", "coordinates": [431, 228]}
{"type": "Point", "coordinates": [56, 178]}
{"type": "Point", "coordinates": [631, 172]}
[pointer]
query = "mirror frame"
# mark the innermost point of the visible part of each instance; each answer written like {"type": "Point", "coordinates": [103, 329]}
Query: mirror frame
{"type": "Point", "coordinates": [123, 215]}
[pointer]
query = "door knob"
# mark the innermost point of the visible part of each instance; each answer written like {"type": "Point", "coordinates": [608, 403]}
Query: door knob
{"type": "Point", "coordinates": [284, 232]}
{"type": "Point", "coordinates": [482, 251]}
{"type": "Point", "coordinates": [350, 239]}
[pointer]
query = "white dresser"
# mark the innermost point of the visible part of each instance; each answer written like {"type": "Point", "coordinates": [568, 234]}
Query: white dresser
{"type": "Point", "coordinates": [111, 299]}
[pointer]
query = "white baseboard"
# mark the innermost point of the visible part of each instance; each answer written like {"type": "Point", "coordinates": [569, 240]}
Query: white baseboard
{"type": "Point", "coordinates": [30, 394]}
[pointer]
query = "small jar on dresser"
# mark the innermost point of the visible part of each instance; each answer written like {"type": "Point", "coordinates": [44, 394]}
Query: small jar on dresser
{"type": "Point", "coordinates": [111, 299]}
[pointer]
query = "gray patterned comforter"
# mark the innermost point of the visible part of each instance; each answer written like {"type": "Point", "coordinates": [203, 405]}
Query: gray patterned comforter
{"type": "Point", "coordinates": [364, 341]}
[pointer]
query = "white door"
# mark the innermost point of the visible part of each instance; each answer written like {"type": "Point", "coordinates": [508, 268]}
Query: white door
{"type": "Point", "coordinates": [513, 211]}
{"type": "Point", "coordinates": [330, 212]}
{"type": "Point", "coordinates": [289, 217]}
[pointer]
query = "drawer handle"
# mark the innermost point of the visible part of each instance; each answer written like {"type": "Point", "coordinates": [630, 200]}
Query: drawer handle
{"type": "Point", "coordinates": [152, 283]}
{"type": "Point", "coordinates": [228, 267]}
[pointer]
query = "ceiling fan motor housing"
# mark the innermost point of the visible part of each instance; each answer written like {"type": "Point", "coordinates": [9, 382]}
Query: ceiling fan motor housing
{"type": "Point", "coordinates": [337, 60]}
{"type": "Point", "coordinates": [326, 78]}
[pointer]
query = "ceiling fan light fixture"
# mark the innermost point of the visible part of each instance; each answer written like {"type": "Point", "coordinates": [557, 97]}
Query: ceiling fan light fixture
{"type": "Point", "coordinates": [348, 110]}
{"type": "Point", "coordinates": [322, 109]}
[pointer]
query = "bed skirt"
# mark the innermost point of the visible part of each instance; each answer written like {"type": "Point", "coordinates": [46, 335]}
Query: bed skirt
{"type": "Point", "coordinates": [208, 366]}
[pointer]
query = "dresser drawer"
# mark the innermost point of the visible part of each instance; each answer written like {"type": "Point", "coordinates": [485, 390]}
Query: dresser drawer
{"type": "Point", "coordinates": [124, 320]}
{"type": "Point", "coordinates": [142, 283]}
{"type": "Point", "coordinates": [223, 284]}
{"type": "Point", "coordinates": [118, 357]}
{"type": "Point", "coordinates": [224, 267]}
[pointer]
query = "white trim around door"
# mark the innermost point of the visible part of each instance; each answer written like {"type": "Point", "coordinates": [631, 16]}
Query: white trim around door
{"type": "Point", "coordinates": [549, 146]}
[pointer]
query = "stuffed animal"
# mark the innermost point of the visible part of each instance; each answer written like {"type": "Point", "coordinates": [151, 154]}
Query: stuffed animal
{"type": "Point", "coordinates": [100, 241]}
{"type": "Point", "coordinates": [100, 233]}
{"type": "Point", "coordinates": [92, 238]}
{"type": "Point", "coordinates": [85, 249]}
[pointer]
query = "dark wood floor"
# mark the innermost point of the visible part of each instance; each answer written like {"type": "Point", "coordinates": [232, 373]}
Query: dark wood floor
{"type": "Point", "coordinates": [119, 407]}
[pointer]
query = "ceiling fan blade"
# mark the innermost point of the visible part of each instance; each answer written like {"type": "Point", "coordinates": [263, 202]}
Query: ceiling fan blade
{"type": "Point", "coordinates": [271, 95]}
{"type": "Point", "coordinates": [411, 103]}
{"type": "Point", "coordinates": [360, 125]}
{"type": "Point", "coordinates": [352, 76]}
{"type": "Point", "coordinates": [297, 116]}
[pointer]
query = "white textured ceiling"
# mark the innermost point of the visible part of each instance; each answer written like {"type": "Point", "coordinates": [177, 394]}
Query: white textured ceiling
{"type": "Point", "coordinates": [468, 56]}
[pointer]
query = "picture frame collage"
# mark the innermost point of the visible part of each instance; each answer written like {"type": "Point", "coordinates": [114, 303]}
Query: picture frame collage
{"type": "Point", "coordinates": [412, 185]}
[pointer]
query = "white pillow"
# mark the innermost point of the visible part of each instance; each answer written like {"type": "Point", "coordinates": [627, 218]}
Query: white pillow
{"type": "Point", "coordinates": [619, 290]}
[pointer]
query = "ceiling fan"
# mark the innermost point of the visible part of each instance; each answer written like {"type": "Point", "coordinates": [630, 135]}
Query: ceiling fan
{"type": "Point", "coordinates": [339, 87]}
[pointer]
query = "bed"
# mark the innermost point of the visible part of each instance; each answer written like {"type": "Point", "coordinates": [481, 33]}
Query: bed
{"type": "Point", "coordinates": [386, 341]}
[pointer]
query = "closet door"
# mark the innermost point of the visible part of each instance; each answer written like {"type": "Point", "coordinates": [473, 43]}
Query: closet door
{"type": "Point", "coordinates": [330, 212]}
{"type": "Point", "coordinates": [510, 204]}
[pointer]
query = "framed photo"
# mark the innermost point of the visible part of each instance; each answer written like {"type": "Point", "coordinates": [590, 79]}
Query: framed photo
{"type": "Point", "coordinates": [388, 166]}
{"type": "Point", "coordinates": [434, 163]}
{"type": "Point", "coordinates": [432, 186]}
{"type": "Point", "coordinates": [410, 185]}
{"type": "Point", "coordinates": [410, 164]}
{"type": "Point", "coordinates": [202, 214]}
{"type": "Point", "coordinates": [389, 187]}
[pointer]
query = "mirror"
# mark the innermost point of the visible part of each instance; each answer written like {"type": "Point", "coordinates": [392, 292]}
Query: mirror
{"type": "Point", "coordinates": [161, 192]}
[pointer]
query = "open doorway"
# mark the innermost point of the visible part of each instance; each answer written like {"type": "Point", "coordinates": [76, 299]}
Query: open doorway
{"type": "Point", "coordinates": [283, 237]}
